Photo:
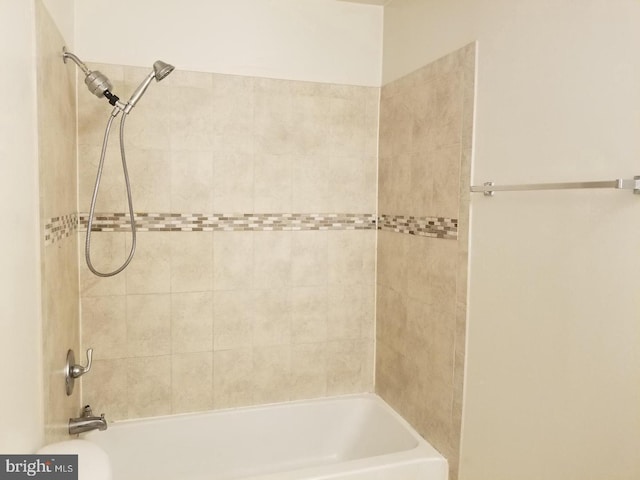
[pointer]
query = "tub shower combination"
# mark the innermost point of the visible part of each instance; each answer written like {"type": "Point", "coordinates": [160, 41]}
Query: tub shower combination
{"type": "Point", "coordinates": [353, 437]}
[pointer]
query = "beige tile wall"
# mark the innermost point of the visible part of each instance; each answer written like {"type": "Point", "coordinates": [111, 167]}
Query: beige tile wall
{"type": "Point", "coordinates": [206, 143]}
{"type": "Point", "coordinates": [254, 317]}
{"type": "Point", "coordinates": [57, 166]}
{"type": "Point", "coordinates": [205, 320]}
{"type": "Point", "coordinates": [211, 320]}
{"type": "Point", "coordinates": [426, 123]}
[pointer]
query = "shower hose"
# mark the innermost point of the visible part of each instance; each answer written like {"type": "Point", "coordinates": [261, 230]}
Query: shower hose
{"type": "Point", "coordinates": [96, 188]}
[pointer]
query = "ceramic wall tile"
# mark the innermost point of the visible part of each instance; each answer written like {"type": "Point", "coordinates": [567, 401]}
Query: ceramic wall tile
{"type": "Point", "coordinates": [191, 382]}
{"type": "Point", "coordinates": [351, 257]}
{"type": "Point", "coordinates": [191, 322]}
{"type": "Point", "coordinates": [57, 149]}
{"type": "Point", "coordinates": [310, 313]}
{"type": "Point", "coordinates": [148, 325]}
{"type": "Point", "coordinates": [349, 365]}
{"type": "Point", "coordinates": [148, 386]}
{"type": "Point", "coordinates": [273, 177]}
{"type": "Point", "coordinates": [233, 319]}
{"type": "Point", "coordinates": [191, 179]}
{"type": "Point", "coordinates": [191, 261]}
{"type": "Point", "coordinates": [150, 177]}
{"type": "Point", "coordinates": [108, 252]}
{"type": "Point", "coordinates": [426, 129]}
{"type": "Point", "coordinates": [105, 326]}
{"type": "Point", "coordinates": [271, 375]}
{"type": "Point", "coordinates": [272, 259]}
{"type": "Point", "coordinates": [233, 174]}
{"type": "Point", "coordinates": [272, 319]}
{"type": "Point", "coordinates": [190, 118]}
{"type": "Point", "coordinates": [255, 256]}
{"type": "Point", "coordinates": [233, 378]}
{"type": "Point", "coordinates": [309, 258]}
{"type": "Point", "coordinates": [112, 194]}
{"type": "Point", "coordinates": [308, 371]}
{"type": "Point", "coordinates": [106, 389]}
{"type": "Point", "coordinates": [233, 259]}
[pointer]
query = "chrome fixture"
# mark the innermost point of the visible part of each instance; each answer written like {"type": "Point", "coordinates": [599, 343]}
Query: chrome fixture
{"type": "Point", "coordinates": [87, 422]}
{"type": "Point", "coordinates": [73, 371]}
{"type": "Point", "coordinates": [620, 184]}
{"type": "Point", "coordinates": [160, 71]}
{"type": "Point", "coordinates": [100, 86]}
{"type": "Point", "coordinates": [96, 82]}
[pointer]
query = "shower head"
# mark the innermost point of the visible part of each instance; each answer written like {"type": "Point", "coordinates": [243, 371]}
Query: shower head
{"type": "Point", "coordinates": [100, 86]}
{"type": "Point", "coordinates": [161, 69]}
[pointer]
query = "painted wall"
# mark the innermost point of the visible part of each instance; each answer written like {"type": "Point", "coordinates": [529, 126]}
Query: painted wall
{"type": "Point", "coordinates": [553, 366]}
{"type": "Point", "coordinates": [314, 40]}
{"type": "Point", "coordinates": [63, 14]}
{"type": "Point", "coordinates": [21, 416]}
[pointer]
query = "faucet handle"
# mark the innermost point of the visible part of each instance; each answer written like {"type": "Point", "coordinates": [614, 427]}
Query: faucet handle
{"type": "Point", "coordinates": [78, 370]}
{"type": "Point", "coordinates": [73, 371]}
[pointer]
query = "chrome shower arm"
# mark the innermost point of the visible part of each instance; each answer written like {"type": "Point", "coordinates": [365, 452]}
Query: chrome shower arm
{"type": "Point", "coordinates": [66, 54]}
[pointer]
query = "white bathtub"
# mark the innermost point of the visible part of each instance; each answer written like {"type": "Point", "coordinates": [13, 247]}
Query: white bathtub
{"type": "Point", "coordinates": [353, 437]}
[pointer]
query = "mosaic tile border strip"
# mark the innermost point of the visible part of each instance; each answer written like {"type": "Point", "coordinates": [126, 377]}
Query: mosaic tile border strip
{"type": "Point", "coordinates": [252, 222]}
{"type": "Point", "coordinates": [435, 227]}
{"type": "Point", "coordinates": [58, 228]}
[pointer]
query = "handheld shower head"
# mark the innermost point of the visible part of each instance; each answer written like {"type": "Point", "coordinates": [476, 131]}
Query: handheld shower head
{"type": "Point", "coordinates": [100, 86]}
{"type": "Point", "coordinates": [161, 69]}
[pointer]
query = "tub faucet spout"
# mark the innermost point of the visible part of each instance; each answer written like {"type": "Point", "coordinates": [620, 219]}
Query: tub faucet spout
{"type": "Point", "coordinates": [87, 422]}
